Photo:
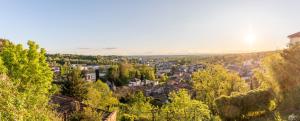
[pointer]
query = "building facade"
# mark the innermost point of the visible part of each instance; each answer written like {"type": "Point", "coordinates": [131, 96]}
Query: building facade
{"type": "Point", "coordinates": [294, 38]}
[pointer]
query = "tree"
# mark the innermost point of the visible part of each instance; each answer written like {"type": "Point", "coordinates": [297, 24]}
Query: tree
{"type": "Point", "coordinates": [134, 73]}
{"type": "Point", "coordinates": [282, 73]}
{"type": "Point", "coordinates": [215, 81]}
{"type": "Point", "coordinates": [245, 105]}
{"type": "Point", "coordinates": [113, 74]}
{"type": "Point", "coordinates": [99, 101]}
{"type": "Point", "coordinates": [125, 70]}
{"type": "Point", "coordinates": [7, 92]}
{"type": "Point", "coordinates": [74, 86]}
{"type": "Point", "coordinates": [183, 108]}
{"type": "Point", "coordinates": [100, 96]}
{"type": "Point", "coordinates": [65, 69]}
{"type": "Point", "coordinates": [147, 73]}
{"type": "Point", "coordinates": [27, 84]}
{"type": "Point", "coordinates": [288, 77]}
{"type": "Point", "coordinates": [139, 107]}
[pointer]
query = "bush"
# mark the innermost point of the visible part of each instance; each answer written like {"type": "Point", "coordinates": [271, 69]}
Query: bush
{"type": "Point", "coordinates": [245, 105]}
{"type": "Point", "coordinates": [127, 117]}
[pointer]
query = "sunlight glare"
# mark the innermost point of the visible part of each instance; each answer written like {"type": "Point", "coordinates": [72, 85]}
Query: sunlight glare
{"type": "Point", "coordinates": [250, 38]}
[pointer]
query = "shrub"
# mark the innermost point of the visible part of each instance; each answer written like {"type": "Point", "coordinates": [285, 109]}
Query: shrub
{"type": "Point", "coordinates": [244, 105]}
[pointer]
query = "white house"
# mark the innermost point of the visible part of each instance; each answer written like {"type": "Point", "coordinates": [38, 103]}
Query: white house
{"type": "Point", "coordinates": [294, 38]}
{"type": "Point", "coordinates": [90, 77]}
{"type": "Point", "coordinates": [135, 82]}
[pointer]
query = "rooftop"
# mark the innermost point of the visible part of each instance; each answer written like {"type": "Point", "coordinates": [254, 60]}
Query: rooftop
{"type": "Point", "coordinates": [294, 35]}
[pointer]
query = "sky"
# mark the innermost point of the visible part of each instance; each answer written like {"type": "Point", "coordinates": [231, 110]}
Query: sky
{"type": "Point", "coordinates": [150, 27]}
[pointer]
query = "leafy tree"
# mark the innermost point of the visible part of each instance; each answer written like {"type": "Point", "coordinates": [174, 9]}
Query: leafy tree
{"type": "Point", "coordinates": [147, 72]}
{"type": "Point", "coordinates": [7, 93]}
{"type": "Point", "coordinates": [99, 101]}
{"type": "Point", "coordinates": [113, 73]}
{"type": "Point", "coordinates": [282, 75]}
{"type": "Point", "coordinates": [74, 86]}
{"type": "Point", "coordinates": [289, 69]}
{"type": "Point", "coordinates": [215, 81]}
{"type": "Point", "coordinates": [100, 96]}
{"type": "Point", "coordinates": [245, 105]}
{"type": "Point", "coordinates": [139, 107]}
{"type": "Point", "coordinates": [65, 69]}
{"type": "Point", "coordinates": [88, 114]}
{"type": "Point", "coordinates": [125, 70]}
{"type": "Point", "coordinates": [25, 84]}
{"type": "Point", "coordinates": [183, 108]}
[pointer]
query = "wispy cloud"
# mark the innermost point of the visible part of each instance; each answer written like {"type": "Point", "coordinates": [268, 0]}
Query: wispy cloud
{"type": "Point", "coordinates": [84, 48]}
{"type": "Point", "coordinates": [110, 48]}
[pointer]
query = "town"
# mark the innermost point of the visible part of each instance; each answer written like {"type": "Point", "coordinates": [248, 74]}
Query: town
{"type": "Point", "coordinates": [150, 60]}
{"type": "Point", "coordinates": [169, 73]}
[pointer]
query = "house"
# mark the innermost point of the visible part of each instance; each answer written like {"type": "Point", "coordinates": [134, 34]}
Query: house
{"type": "Point", "coordinates": [294, 38]}
{"type": "Point", "coordinates": [91, 76]}
{"type": "Point", "coordinates": [135, 82]}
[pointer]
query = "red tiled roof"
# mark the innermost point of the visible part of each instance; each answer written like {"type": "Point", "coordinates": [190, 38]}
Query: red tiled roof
{"type": "Point", "coordinates": [294, 35]}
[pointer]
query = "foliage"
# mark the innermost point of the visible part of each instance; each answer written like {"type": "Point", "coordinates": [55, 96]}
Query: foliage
{"type": "Point", "coordinates": [87, 115]}
{"type": "Point", "coordinates": [147, 73]}
{"type": "Point", "coordinates": [82, 59]}
{"type": "Point", "coordinates": [138, 107]}
{"type": "Point", "coordinates": [266, 76]}
{"type": "Point", "coordinates": [99, 96]}
{"type": "Point", "coordinates": [163, 78]}
{"type": "Point", "coordinates": [125, 72]}
{"type": "Point", "coordinates": [65, 69]}
{"type": "Point", "coordinates": [244, 105]}
{"type": "Point", "coordinates": [127, 117]}
{"type": "Point", "coordinates": [74, 86]}
{"type": "Point", "coordinates": [290, 78]}
{"type": "Point", "coordinates": [113, 73]}
{"type": "Point", "coordinates": [215, 81]}
{"type": "Point", "coordinates": [183, 108]}
{"type": "Point", "coordinates": [122, 73]}
{"type": "Point", "coordinates": [281, 73]}
{"type": "Point", "coordinates": [25, 83]}
{"type": "Point", "coordinates": [99, 101]}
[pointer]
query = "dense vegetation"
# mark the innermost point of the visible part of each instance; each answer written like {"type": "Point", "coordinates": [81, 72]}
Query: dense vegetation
{"type": "Point", "coordinates": [224, 83]}
{"type": "Point", "coordinates": [26, 87]}
{"type": "Point", "coordinates": [25, 83]}
{"type": "Point", "coordinates": [121, 73]}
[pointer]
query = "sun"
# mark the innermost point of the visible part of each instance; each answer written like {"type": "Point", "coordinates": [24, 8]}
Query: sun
{"type": "Point", "coordinates": [250, 38]}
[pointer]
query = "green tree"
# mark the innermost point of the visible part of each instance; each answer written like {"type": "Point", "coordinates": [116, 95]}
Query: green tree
{"type": "Point", "coordinates": [215, 81]}
{"type": "Point", "coordinates": [183, 108]}
{"type": "Point", "coordinates": [281, 73]}
{"type": "Point", "coordinates": [125, 70]}
{"type": "Point", "coordinates": [74, 85]}
{"type": "Point", "coordinates": [113, 74]}
{"type": "Point", "coordinates": [65, 69]}
{"type": "Point", "coordinates": [27, 83]}
{"type": "Point", "coordinates": [139, 107]}
{"type": "Point", "coordinates": [134, 73]}
{"type": "Point", "coordinates": [99, 101]}
{"type": "Point", "coordinates": [147, 72]}
{"type": "Point", "coordinates": [100, 96]}
{"type": "Point", "coordinates": [246, 105]}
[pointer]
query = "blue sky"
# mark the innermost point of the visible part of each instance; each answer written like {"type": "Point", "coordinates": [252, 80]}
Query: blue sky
{"type": "Point", "coordinates": [150, 27]}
